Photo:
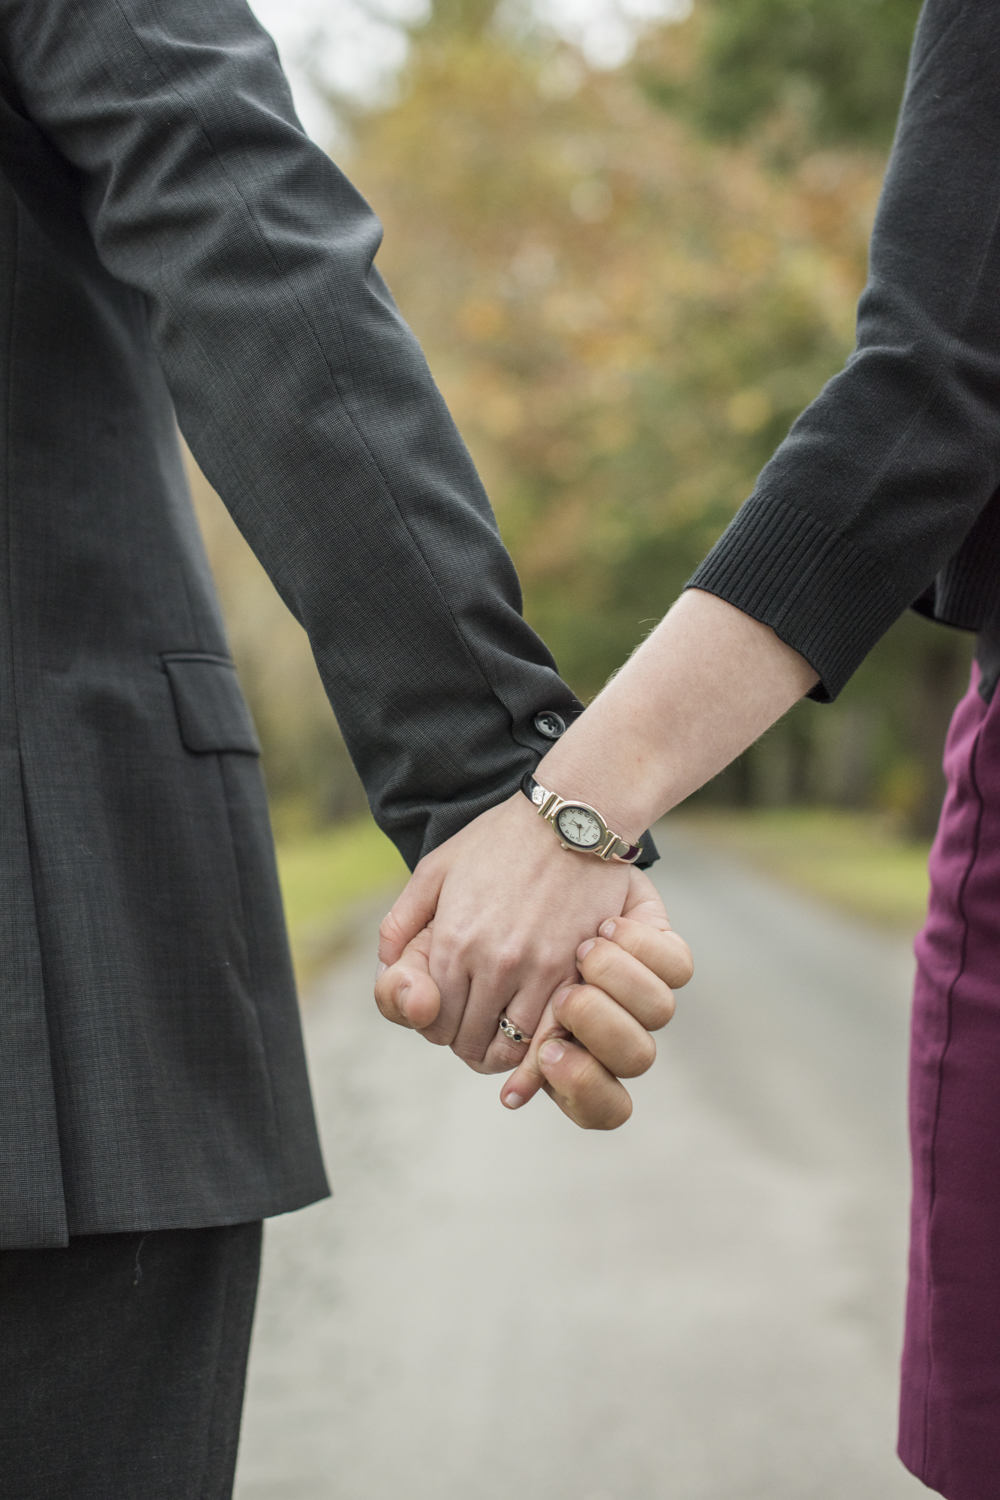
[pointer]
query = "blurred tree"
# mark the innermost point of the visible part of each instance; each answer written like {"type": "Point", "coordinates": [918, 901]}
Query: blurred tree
{"type": "Point", "coordinates": [623, 317]}
{"type": "Point", "coordinates": [837, 67]}
{"type": "Point", "coordinates": [792, 74]}
{"type": "Point", "coordinates": [626, 313]}
{"type": "Point", "coordinates": [626, 305]}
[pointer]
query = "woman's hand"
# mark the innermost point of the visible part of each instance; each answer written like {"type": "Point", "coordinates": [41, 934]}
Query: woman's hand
{"type": "Point", "coordinates": [509, 910]}
{"type": "Point", "coordinates": [630, 971]}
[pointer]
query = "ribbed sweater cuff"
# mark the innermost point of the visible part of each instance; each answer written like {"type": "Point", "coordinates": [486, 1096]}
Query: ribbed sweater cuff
{"type": "Point", "coordinates": [818, 592]}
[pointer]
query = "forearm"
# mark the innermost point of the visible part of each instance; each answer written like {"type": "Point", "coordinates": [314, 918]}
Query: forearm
{"type": "Point", "coordinates": [705, 684]}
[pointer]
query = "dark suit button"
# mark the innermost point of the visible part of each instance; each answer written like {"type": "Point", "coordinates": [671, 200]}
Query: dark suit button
{"type": "Point", "coordinates": [550, 724]}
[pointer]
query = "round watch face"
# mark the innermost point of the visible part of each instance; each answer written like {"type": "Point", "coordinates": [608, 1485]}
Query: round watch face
{"type": "Point", "coordinates": [579, 826]}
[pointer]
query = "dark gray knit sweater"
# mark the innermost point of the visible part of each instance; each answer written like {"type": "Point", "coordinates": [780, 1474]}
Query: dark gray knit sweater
{"type": "Point", "coordinates": [886, 492]}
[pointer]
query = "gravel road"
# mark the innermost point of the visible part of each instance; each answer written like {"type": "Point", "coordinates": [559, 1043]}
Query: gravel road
{"type": "Point", "coordinates": [705, 1305]}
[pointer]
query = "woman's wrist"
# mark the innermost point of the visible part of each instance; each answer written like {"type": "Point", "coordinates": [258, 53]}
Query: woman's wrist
{"type": "Point", "coordinates": [707, 683]}
{"type": "Point", "coordinates": [605, 779]}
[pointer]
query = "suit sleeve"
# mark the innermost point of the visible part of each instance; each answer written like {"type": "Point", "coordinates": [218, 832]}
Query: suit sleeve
{"type": "Point", "coordinates": [301, 391]}
{"type": "Point", "coordinates": [883, 478]}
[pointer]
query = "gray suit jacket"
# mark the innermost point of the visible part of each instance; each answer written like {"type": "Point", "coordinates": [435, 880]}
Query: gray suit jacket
{"type": "Point", "coordinates": [171, 241]}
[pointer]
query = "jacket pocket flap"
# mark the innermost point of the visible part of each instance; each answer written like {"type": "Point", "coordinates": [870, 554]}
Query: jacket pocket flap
{"type": "Point", "coordinates": [211, 713]}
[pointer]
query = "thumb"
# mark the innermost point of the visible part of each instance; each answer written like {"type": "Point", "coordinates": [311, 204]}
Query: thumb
{"type": "Point", "coordinates": [412, 911]}
{"type": "Point", "coordinates": [643, 902]}
{"type": "Point", "coordinates": [405, 993]}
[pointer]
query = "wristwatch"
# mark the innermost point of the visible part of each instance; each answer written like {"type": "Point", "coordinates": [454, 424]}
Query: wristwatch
{"type": "Point", "coordinates": [577, 825]}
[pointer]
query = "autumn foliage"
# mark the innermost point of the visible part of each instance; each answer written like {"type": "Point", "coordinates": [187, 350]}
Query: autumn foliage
{"type": "Point", "coordinates": [628, 284]}
{"type": "Point", "coordinates": [623, 316]}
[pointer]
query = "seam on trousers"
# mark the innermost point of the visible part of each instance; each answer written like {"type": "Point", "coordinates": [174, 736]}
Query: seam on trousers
{"type": "Point", "coordinates": [234, 1235]}
{"type": "Point", "coordinates": [222, 1327]}
{"type": "Point", "coordinates": [960, 903]}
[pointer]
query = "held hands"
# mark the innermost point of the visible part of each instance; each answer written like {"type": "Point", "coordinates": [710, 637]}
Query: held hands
{"type": "Point", "coordinates": [512, 908]}
{"type": "Point", "coordinates": [500, 919]}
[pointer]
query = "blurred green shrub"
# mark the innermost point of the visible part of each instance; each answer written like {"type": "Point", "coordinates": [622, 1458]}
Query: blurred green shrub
{"type": "Point", "coordinates": [837, 66]}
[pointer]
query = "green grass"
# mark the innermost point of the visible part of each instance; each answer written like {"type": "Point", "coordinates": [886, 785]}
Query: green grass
{"type": "Point", "coordinates": [857, 861]}
{"type": "Point", "coordinates": [323, 878]}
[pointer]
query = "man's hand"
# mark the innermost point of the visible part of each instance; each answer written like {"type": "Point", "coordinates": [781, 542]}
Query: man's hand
{"type": "Point", "coordinates": [595, 1033]}
{"type": "Point", "coordinates": [590, 1034]}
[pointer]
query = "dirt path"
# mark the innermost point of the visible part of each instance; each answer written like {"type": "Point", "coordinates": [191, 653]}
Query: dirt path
{"type": "Point", "coordinates": [703, 1306]}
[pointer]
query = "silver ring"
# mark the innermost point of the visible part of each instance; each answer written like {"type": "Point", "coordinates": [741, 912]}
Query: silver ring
{"type": "Point", "coordinates": [509, 1029]}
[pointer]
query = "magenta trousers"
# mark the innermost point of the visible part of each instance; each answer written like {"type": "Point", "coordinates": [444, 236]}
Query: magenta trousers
{"type": "Point", "coordinates": [949, 1433]}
